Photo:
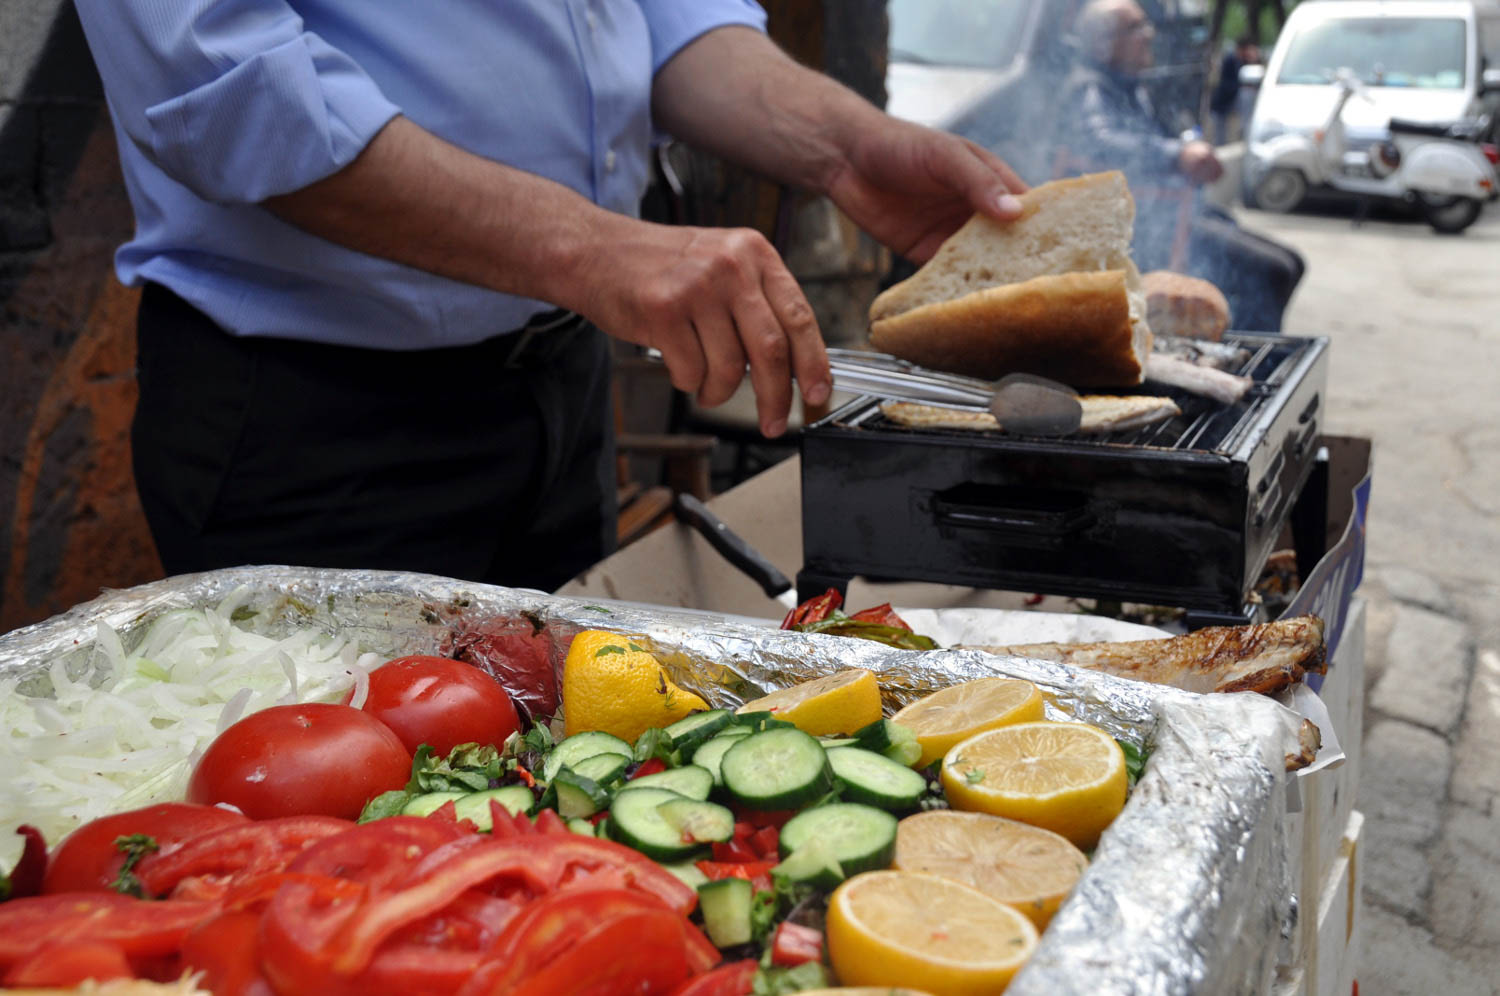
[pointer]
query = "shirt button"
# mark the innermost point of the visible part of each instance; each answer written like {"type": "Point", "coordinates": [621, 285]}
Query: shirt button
{"type": "Point", "coordinates": [609, 160]}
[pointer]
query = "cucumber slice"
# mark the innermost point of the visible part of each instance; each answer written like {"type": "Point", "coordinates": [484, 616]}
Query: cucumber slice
{"type": "Point", "coordinates": [726, 911]}
{"type": "Point", "coordinates": [602, 769]}
{"type": "Point", "coordinates": [696, 729]}
{"type": "Point", "coordinates": [812, 864]}
{"type": "Point", "coordinates": [582, 745]}
{"type": "Point", "coordinates": [908, 753]}
{"type": "Point", "coordinates": [860, 838]}
{"type": "Point", "coordinates": [698, 822]}
{"type": "Point", "coordinates": [777, 769]}
{"type": "Point", "coordinates": [876, 780]}
{"type": "Point", "coordinates": [692, 781]}
{"type": "Point", "coordinates": [578, 796]}
{"type": "Point", "coordinates": [687, 873]}
{"type": "Point", "coordinates": [708, 755]}
{"type": "Point", "coordinates": [584, 829]}
{"type": "Point", "coordinates": [829, 743]}
{"type": "Point", "coordinates": [475, 807]}
{"type": "Point", "coordinates": [762, 720]}
{"type": "Point", "coordinates": [883, 733]}
{"type": "Point", "coordinates": [429, 802]}
{"type": "Point", "coordinates": [635, 821]}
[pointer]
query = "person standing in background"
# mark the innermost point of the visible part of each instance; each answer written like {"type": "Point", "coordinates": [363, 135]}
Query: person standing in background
{"type": "Point", "coordinates": [1225, 100]}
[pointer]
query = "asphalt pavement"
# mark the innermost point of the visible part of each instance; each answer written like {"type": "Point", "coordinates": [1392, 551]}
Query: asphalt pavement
{"type": "Point", "coordinates": [1414, 319]}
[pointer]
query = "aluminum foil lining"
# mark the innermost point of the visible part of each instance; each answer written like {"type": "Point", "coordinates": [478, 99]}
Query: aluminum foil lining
{"type": "Point", "coordinates": [1189, 890]}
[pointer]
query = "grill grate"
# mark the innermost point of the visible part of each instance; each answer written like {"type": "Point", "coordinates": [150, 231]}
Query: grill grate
{"type": "Point", "coordinates": [1204, 426]}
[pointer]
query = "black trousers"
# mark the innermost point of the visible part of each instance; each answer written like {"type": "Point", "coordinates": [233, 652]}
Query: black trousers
{"type": "Point", "coordinates": [471, 462]}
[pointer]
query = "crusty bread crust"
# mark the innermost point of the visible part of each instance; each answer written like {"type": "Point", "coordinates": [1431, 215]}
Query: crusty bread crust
{"type": "Point", "coordinates": [1177, 304]}
{"type": "Point", "coordinates": [1086, 226]}
{"type": "Point", "coordinates": [1073, 327]}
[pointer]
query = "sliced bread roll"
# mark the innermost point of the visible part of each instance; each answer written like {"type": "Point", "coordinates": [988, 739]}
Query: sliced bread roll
{"type": "Point", "coordinates": [1052, 293]}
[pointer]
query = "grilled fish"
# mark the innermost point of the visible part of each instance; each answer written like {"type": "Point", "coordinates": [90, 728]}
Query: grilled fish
{"type": "Point", "coordinates": [1261, 658]}
{"type": "Point", "coordinates": [1101, 413]}
{"type": "Point", "coordinates": [1175, 371]}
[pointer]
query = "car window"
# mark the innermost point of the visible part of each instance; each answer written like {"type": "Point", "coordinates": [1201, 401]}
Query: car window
{"type": "Point", "coordinates": [1422, 52]}
{"type": "Point", "coordinates": [980, 33]}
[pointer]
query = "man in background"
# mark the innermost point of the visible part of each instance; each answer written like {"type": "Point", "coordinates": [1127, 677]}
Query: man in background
{"type": "Point", "coordinates": [1109, 122]}
{"type": "Point", "coordinates": [1225, 102]}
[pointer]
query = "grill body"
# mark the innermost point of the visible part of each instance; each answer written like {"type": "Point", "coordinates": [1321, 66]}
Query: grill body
{"type": "Point", "coordinates": [1184, 513]}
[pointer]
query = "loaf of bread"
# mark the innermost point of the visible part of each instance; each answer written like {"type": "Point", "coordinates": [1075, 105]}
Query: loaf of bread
{"type": "Point", "coordinates": [1177, 304]}
{"type": "Point", "coordinates": [1052, 293]}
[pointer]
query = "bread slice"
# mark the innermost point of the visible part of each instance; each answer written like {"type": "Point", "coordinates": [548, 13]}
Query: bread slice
{"type": "Point", "coordinates": [1101, 413]}
{"type": "Point", "coordinates": [1053, 293]}
{"type": "Point", "coordinates": [1180, 305]}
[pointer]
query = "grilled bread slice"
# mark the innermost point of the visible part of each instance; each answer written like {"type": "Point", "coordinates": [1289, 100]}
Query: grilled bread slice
{"type": "Point", "coordinates": [1053, 292]}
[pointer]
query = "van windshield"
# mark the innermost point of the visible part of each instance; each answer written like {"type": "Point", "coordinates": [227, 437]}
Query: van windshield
{"type": "Point", "coordinates": [980, 33]}
{"type": "Point", "coordinates": [1422, 52]}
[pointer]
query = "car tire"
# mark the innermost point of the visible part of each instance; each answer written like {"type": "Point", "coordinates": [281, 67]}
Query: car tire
{"type": "Point", "coordinates": [1280, 190]}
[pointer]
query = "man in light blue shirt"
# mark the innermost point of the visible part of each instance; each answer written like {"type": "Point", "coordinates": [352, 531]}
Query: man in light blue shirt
{"type": "Point", "coordinates": [365, 188]}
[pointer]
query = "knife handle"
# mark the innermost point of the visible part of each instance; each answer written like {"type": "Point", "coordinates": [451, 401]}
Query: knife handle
{"type": "Point", "coordinates": [731, 545]}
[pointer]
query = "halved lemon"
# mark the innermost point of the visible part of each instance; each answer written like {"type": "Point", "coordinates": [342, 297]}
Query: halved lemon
{"type": "Point", "coordinates": [897, 928]}
{"type": "Point", "coordinates": [1021, 865]}
{"type": "Point", "coordinates": [1065, 777]}
{"type": "Point", "coordinates": [613, 684]}
{"type": "Point", "coordinates": [837, 703]}
{"type": "Point", "coordinates": [958, 712]}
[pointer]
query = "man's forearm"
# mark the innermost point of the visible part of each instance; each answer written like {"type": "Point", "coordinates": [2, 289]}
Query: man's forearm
{"type": "Point", "coordinates": [416, 199]}
{"type": "Point", "coordinates": [762, 110]}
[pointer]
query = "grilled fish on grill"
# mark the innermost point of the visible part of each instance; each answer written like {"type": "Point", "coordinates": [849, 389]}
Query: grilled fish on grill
{"type": "Point", "coordinates": [1101, 413]}
{"type": "Point", "coordinates": [1261, 658]}
{"type": "Point", "coordinates": [1174, 371]}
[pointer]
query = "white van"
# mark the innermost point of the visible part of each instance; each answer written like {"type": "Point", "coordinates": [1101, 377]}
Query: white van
{"type": "Point", "coordinates": [1433, 61]}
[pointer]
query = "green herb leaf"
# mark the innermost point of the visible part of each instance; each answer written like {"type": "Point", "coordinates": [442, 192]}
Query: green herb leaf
{"type": "Point", "coordinates": [608, 650]}
{"type": "Point", "coordinates": [654, 743]}
{"type": "Point", "coordinates": [135, 847]}
{"type": "Point", "coordinates": [974, 776]}
{"type": "Point", "coordinates": [243, 614]}
{"type": "Point", "coordinates": [385, 804]}
{"type": "Point", "coordinates": [762, 914]}
{"type": "Point", "coordinates": [539, 739]}
{"type": "Point", "coordinates": [1135, 761]}
{"type": "Point", "coordinates": [773, 980]}
{"type": "Point", "coordinates": [598, 608]}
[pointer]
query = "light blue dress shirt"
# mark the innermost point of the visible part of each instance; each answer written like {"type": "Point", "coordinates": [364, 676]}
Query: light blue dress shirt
{"type": "Point", "coordinates": [219, 104]}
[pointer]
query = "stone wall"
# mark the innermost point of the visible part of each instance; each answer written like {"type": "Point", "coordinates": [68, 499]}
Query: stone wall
{"type": "Point", "coordinates": [70, 523]}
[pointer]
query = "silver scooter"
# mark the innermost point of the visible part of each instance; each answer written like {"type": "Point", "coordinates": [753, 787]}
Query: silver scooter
{"type": "Point", "coordinates": [1442, 169]}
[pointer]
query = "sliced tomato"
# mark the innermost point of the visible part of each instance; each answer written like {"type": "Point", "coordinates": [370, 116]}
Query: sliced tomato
{"type": "Point", "coordinates": [757, 873]}
{"type": "Point", "coordinates": [435, 956]}
{"type": "Point", "coordinates": [734, 851]}
{"type": "Point", "coordinates": [764, 817]}
{"type": "Point", "coordinates": [379, 853]}
{"type": "Point", "coordinates": [137, 927]}
{"type": "Point", "coordinates": [224, 949]}
{"type": "Point", "coordinates": [766, 843]}
{"type": "Point", "coordinates": [794, 944]}
{"type": "Point", "coordinates": [88, 860]}
{"type": "Point", "coordinates": [638, 952]}
{"type": "Point", "coordinates": [702, 954]}
{"type": "Point", "coordinates": [733, 979]}
{"type": "Point", "coordinates": [66, 965]}
{"type": "Point", "coordinates": [549, 927]}
{"type": "Point", "coordinates": [651, 766]}
{"type": "Point", "coordinates": [206, 866]}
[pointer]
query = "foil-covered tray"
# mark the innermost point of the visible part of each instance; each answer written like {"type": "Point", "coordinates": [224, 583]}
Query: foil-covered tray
{"type": "Point", "coordinates": [1188, 892]}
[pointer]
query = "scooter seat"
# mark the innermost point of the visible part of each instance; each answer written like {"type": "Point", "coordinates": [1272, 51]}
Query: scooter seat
{"type": "Point", "coordinates": [1459, 130]}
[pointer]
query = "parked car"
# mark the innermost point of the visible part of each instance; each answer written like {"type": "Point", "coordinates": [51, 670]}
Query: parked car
{"type": "Point", "coordinates": [1430, 61]}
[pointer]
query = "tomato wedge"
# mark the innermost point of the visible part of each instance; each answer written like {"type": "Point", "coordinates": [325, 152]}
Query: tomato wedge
{"type": "Point", "coordinates": [794, 944]}
{"type": "Point", "coordinates": [66, 965]}
{"type": "Point", "coordinates": [205, 866]}
{"type": "Point", "coordinates": [224, 950]}
{"type": "Point", "coordinates": [138, 928]}
{"type": "Point", "coordinates": [733, 979]}
{"type": "Point", "coordinates": [638, 952]}
{"type": "Point", "coordinates": [378, 853]}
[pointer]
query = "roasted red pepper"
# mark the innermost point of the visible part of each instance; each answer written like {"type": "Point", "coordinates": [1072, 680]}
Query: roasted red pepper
{"type": "Point", "coordinates": [882, 614]}
{"type": "Point", "coordinates": [813, 610]}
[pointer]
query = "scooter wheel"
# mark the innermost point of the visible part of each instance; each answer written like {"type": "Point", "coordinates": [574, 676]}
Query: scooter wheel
{"type": "Point", "coordinates": [1281, 190]}
{"type": "Point", "coordinates": [1449, 215]}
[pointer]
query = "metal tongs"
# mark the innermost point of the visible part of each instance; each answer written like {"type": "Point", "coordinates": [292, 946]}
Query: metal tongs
{"type": "Point", "coordinates": [1022, 403]}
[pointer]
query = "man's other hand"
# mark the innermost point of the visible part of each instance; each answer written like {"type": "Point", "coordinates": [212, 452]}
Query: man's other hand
{"type": "Point", "coordinates": [911, 187]}
{"type": "Point", "coordinates": [712, 300]}
{"type": "Point", "coordinates": [1198, 162]}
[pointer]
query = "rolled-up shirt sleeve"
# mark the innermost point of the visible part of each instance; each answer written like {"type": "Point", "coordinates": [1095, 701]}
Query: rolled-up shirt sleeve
{"type": "Point", "coordinates": [233, 99]}
{"type": "Point", "coordinates": [675, 23]}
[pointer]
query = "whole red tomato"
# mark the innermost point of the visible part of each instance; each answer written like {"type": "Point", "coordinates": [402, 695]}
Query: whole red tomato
{"type": "Point", "coordinates": [87, 860]}
{"type": "Point", "coordinates": [440, 702]}
{"type": "Point", "coordinates": [300, 760]}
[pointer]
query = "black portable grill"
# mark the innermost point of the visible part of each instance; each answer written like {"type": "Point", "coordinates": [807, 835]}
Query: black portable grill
{"type": "Point", "coordinates": [1181, 513]}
